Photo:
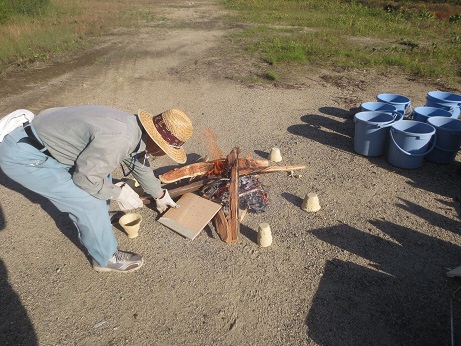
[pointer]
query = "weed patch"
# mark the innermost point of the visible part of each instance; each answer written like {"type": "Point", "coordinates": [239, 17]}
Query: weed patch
{"type": "Point", "coordinates": [407, 37]}
{"type": "Point", "coordinates": [32, 30]}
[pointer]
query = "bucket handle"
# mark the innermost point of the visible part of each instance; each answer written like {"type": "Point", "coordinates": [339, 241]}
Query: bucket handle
{"type": "Point", "coordinates": [406, 152]}
{"type": "Point", "coordinates": [388, 124]}
{"type": "Point", "coordinates": [408, 110]}
{"type": "Point", "coordinates": [395, 114]}
{"type": "Point", "coordinates": [379, 126]}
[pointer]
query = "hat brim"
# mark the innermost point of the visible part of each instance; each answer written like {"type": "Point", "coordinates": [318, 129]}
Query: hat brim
{"type": "Point", "coordinates": [176, 154]}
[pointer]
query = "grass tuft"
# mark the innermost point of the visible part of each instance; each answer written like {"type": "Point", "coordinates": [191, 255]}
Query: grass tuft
{"type": "Point", "coordinates": [271, 75]}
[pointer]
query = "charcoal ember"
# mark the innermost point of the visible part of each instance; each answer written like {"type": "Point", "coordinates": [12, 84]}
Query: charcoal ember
{"type": "Point", "coordinates": [256, 201]}
{"type": "Point", "coordinates": [210, 191]}
{"type": "Point", "coordinates": [248, 182]}
{"type": "Point", "coordinates": [252, 195]}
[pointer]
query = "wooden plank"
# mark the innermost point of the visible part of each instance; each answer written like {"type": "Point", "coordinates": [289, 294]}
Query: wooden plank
{"type": "Point", "coordinates": [220, 223]}
{"type": "Point", "coordinates": [191, 217]}
{"type": "Point", "coordinates": [233, 219]}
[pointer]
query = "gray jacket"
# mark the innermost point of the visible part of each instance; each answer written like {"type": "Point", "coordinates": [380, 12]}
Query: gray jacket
{"type": "Point", "coordinates": [94, 140]}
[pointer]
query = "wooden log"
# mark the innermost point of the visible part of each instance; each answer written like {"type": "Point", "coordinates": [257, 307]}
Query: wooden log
{"type": "Point", "coordinates": [190, 171]}
{"type": "Point", "coordinates": [221, 225]}
{"type": "Point", "coordinates": [192, 187]}
{"type": "Point", "coordinates": [202, 169]}
{"type": "Point", "coordinates": [179, 191]}
{"type": "Point", "coordinates": [233, 218]}
{"type": "Point", "coordinates": [271, 169]}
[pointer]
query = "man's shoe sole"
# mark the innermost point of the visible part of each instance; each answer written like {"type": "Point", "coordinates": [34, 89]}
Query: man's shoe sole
{"type": "Point", "coordinates": [105, 269]}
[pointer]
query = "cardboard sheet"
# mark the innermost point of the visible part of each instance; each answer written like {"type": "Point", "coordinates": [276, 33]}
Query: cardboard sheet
{"type": "Point", "coordinates": [191, 217]}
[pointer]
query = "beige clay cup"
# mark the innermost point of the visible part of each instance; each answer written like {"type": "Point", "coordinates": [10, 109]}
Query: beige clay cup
{"type": "Point", "coordinates": [275, 155]}
{"type": "Point", "coordinates": [311, 203]}
{"type": "Point", "coordinates": [131, 223]}
{"type": "Point", "coordinates": [264, 235]}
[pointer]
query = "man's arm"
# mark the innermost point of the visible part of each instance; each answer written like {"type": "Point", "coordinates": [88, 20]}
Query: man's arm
{"type": "Point", "coordinates": [96, 162]}
{"type": "Point", "coordinates": [145, 177]}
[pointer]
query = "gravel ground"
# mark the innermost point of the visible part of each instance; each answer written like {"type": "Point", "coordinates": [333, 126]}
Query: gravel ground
{"type": "Point", "coordinates": [369, 268]}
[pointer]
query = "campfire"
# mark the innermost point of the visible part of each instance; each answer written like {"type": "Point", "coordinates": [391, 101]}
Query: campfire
{"type": "Point", "coordinates": [233, 182]}
{"type": "Point", "coordinates": [252, 196]}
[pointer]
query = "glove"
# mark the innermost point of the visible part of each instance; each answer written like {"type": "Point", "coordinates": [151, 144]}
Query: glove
{"type": "Point", "coordinates": [164, 202]}
{"type": "Point", "coordinates": [128, 198]}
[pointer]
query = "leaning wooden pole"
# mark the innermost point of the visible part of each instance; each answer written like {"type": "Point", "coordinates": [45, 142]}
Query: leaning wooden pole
{"type": "Point", "coordinates": [233, 218]}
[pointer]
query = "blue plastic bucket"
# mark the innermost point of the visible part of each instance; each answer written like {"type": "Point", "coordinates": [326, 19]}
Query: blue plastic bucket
{"type": "Point", "coordinates": [402, 103]}
{"type": "Point", "coordinates": [448, 139]}
{"type": "Point", "coordinates": [424, 113]}
{"type": "Point", "coordinates": [410, 141]}
{"type": "Point", "coordinates": [445, 100]}
{"type": "Point", "coordinates": [377, 106]}
{"type": "Point", "coordinates": [371, 129]}
{"type": "Point", "coordinates": [381, 107]}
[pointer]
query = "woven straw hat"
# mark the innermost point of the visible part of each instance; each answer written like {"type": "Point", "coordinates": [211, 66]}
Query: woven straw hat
{"type": "Point", "coordinates": [169, 130]}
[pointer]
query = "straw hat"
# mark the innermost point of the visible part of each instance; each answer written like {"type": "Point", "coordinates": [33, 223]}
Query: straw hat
{"type": "Point", "coordinates": [169, 130]}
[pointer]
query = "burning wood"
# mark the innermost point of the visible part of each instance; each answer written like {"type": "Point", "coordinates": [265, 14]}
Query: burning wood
{"type": "Point", "coordinates": [219, 168]}
{"type": "Point", "coordinates": [233, 220]}
{"type": "Point", "coordinates": [212, 168]}
{"type": "Point", "coordinates": [231, 182]}
{"type": "Point", "coordinates": [215, 180]}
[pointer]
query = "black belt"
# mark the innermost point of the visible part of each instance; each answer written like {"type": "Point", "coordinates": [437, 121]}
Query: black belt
{"type": "Point", "coordinates": [33, 140]}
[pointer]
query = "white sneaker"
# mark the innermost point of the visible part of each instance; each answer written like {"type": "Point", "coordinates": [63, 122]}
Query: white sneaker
{"type": "Point", "coordinates": [121, 261]}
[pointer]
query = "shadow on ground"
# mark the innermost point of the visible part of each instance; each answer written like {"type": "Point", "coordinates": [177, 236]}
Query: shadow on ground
{"type": "Point", "coordinates": [384, 303]}
{"type": "Point", "coordinates": [333, 131]}
{"type": "Point", "coordinates": [15, 325]}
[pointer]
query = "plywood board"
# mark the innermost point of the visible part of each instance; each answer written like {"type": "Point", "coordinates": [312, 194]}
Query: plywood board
{"type": "Point", "coordinates": [193, 214]}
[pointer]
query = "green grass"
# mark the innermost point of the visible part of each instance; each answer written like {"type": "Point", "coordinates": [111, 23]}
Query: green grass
{"type": "Point", "coordinates": [350, 34]}
{"type": "Point", "coordinates": [422, 39]}
{"type": "Point", "coordinates": [28, 34]}
{"type": "Point", "coordinates": [11, 8]}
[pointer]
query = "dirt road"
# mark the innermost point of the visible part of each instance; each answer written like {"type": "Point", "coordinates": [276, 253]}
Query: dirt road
{"type": "Point", "coordinates": [368, 269]}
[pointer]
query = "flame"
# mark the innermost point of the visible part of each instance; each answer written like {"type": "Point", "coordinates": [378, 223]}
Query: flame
{"type": "Point", "coordinates": [219, 167]}
{"type": "Point", "coordinates": [246, 166]}
{"type": "Point", "coordinates": [209, 140]}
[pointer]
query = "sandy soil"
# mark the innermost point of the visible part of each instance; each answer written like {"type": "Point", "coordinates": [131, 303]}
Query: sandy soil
{"type": "Point", "coordinates": [368, 269]}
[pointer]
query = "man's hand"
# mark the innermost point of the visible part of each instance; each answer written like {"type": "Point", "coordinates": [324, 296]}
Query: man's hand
{"type": "Point", "coordinates": [128, 198]}
{"type": "Point", "coordinates": [164, 202]}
